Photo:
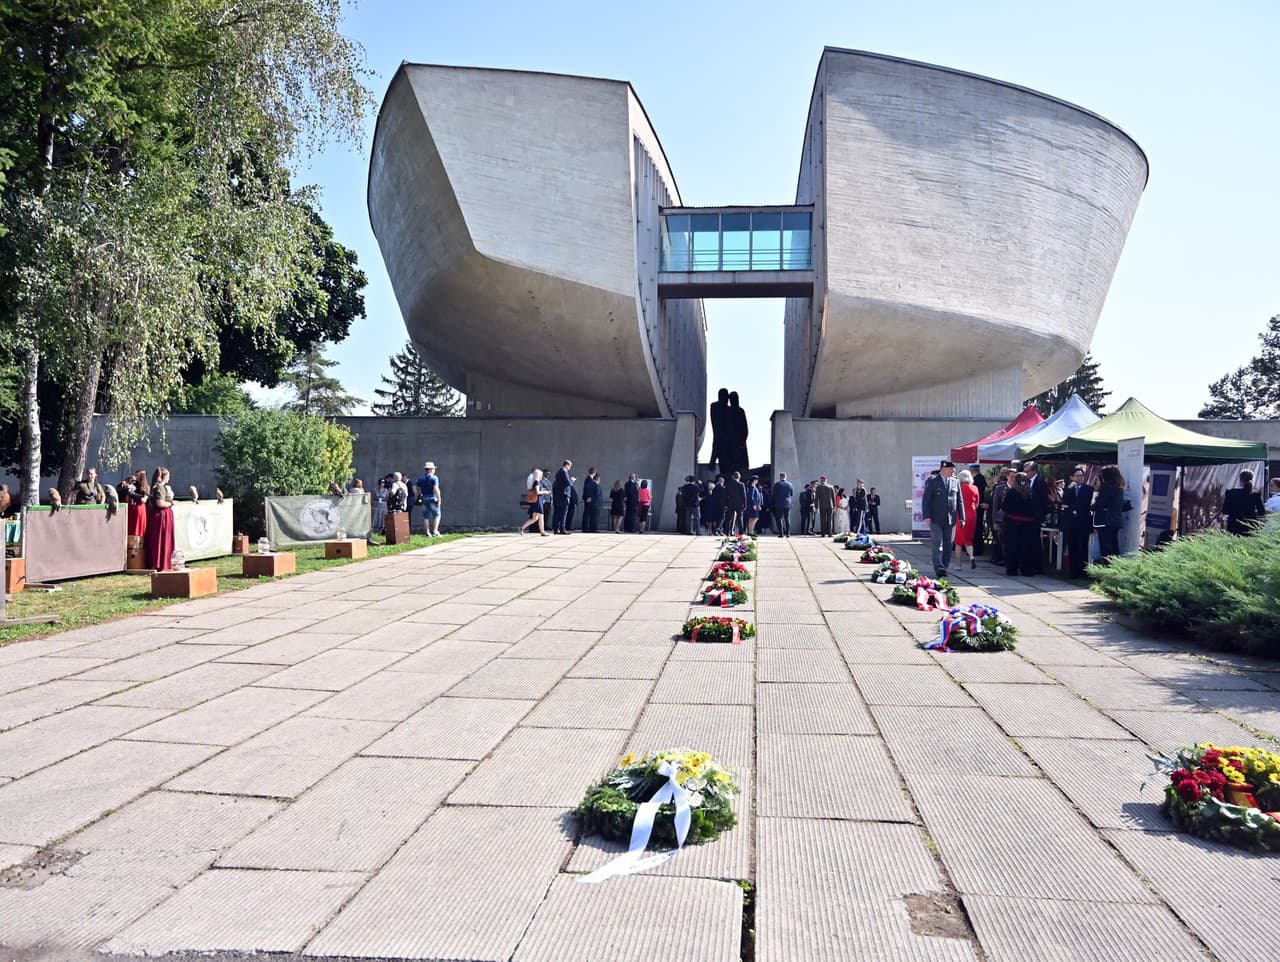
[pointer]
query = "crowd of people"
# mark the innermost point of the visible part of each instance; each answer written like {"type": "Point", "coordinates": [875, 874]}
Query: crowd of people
{"type": "Point", "coordinates": [1023, 500]}
{"type": "Point", "coordinates": [729, 504]}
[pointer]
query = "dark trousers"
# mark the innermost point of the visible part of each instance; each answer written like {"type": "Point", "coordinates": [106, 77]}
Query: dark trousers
{"type": "Point", "coordinates": [784, 521]}
{"type": "Point", "coordinates": [1078, 548]}
{"type": "Point", "coordinates": [980, 533]}
{"type": "Point", "coordinates": [1021, 547]}
{"type": "Point", "coordinates": [873, 520]}
{"type": "Point", "coordinates": [631, 520]}
{"type": "Point", "coordinates": [692, 521]}
{"type": "Point", "coordinates": [568, 518]}
{"type": "Point", "coordinates": [997, 543]}
{"type": "Point", "coordinates": [856, 520]}
{"type": "Point", "coordinates": [732, 520]}
{"type": "Point", "coordinates": [590, 518]}
{"type": "Point", "coordinates": [559, 511]}
{"type": "Point", "coordinates": [1108, 541]}
{"type": "Point", "coordinates": [826, 517]}
{"type": "Point", "coordinates": [807, 521]}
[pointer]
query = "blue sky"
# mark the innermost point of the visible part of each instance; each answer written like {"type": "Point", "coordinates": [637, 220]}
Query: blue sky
{"type": "Point", "coordinates": [727, 86]}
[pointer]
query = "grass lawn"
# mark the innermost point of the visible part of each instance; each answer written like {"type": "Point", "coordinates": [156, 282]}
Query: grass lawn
{"type": "Point", "coordinates": [89, 601]}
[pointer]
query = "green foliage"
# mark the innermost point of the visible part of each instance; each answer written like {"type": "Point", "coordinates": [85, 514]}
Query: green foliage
{"type": "Point", "coordinates": [1086, 382]}
{"type": "Point", "coordinates": [217, 394]}
{"type": "Point", "coordinates": [272, 452]}
{"type": "Point", "coordinates": [1221, 589]}
{"type": "Point", "coordinates": [1252, 391]}
{"type": "Point", "coordinates": [414, 390]}
{"type": "Point", "coordinates": [606, 811]}
{"type": "Point", "coordinates": [315, 391]}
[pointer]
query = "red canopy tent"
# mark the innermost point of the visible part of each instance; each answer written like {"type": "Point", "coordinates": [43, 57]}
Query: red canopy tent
{"type": "Point", "coordinates": [968, 453]}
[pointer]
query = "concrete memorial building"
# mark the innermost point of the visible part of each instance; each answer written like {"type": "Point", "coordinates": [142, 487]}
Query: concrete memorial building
{"type": "Point", "coordinates": [948, 253]}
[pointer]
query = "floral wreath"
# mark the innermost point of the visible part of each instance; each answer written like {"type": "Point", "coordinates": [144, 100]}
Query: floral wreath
{"type": "Point", "coordinates": [717, 628]}
{"type": "Point", "coordinates": [1225, 794]}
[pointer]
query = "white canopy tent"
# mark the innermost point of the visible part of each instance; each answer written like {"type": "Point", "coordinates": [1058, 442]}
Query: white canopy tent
{"type": "Point", "coordinates": [1062, 423]}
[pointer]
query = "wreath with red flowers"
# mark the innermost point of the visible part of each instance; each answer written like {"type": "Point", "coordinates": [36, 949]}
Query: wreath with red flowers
{"type": "Point", "coordinates": [724, 592]}
{"type": "Point", "coordinates": [1225, 794]}
{"type": "Point", "coordinates": [730, 569]}
{"type": "Point", "coordinates": [718, 628]}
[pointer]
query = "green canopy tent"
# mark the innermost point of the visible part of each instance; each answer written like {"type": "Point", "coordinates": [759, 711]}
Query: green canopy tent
{"type": "Point", "coordinates": [1165, 443]}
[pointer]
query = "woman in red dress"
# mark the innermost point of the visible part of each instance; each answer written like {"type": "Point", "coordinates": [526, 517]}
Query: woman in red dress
{"type": "Point", "coordinates": [158, 541]}
{"type": "Point", "coordinates": [135, 490]}
{"type": "Point", "coordinates": [966, 532]}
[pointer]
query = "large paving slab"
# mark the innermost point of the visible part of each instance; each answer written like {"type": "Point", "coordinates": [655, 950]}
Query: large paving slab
{"type": "Point", "coordinates": [604, 703]}
{"type": "Point", "coordinates": [466, 886]}
{"type": "Point", "coordinates": [20, 707]}
{"type": "Point", "coordinates": [1016, 930]}
{"type": "Point", "coordinates": [352, 821]}
{"type": "Point", "coordinates": [1043, 710]}
{"type": "Point", "coordinates": [957, 740]}
{"type": "Point", "coordinates": [234, 910]}
{"type": "Point", "coordinates": [513, 678]}
{"type": "Point", "coordinates": [54, 801]}
{"type": "Point", "coordinates": [283, 761]}
{"type": "Point", "coordinates": [831, 891]}
{"type": "Point", "coordinates": [829, 776]}
{"type": "Point", "coordinates": [1167, 731]}
{"type": "Point", "coordinates": [230, 718]}
{"type": "Point", "coordinates": [919, 685]}
{"type": "Point", "coordinates": [332, 670]}
{"type": "Point", "coordinates": [697, 920]}
{"type": "Point", "coordinates": [550, 767]}
{"type": "Point", "coordinates": [1018, 837]}
{"type": "Point", "coordinates": [39, 743]}
{"type": "Point", "coordinates": [463, 728]}
{"type": "Point", "coordinates": [154, 664]}
{"type": "Point", "coordinates": [1114, 783]}
{"type": "Point", "coordinates": [807, 708]}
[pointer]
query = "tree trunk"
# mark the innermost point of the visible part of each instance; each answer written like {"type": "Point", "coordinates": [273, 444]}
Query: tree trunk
{"type": "Point", "coordinates": [31, 439]}
{"type": "Point", "coordinates": [81, 426]}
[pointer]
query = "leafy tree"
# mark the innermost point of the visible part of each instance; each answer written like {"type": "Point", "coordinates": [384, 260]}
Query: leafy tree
{"type": "Point", "coordinates": [316, 392]}
{"type": "Point", "coordinates": [321, 310]}
{"type": "Point", "coordinates": [270, 452]}
{"type": "Point", "coordinates": [414, 390]}
{"type": "Point", "coordinates": [1086, 382]}
{"type": "Point", "coordinates": [1252, 391]}
{"type": "Point", "coordinates": [218, 394]}
{"type": "Point", "coordinates": [146, 194]}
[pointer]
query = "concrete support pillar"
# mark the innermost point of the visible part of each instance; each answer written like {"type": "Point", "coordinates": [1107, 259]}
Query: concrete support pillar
{"type": "Point", "coordinates": [783, 454]}
{"type": "Point", "coordinates": [684, 455]}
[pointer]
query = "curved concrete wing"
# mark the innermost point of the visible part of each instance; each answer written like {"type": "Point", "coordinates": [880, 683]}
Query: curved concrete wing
{"type": "Point", "coordinates": [517, 214]}
{"type": "Point", "coordinates": [965, 234]}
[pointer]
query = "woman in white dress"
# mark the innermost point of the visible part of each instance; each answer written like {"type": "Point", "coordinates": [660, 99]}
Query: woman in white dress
{"type": "Point", "coordinates": [842, 512]}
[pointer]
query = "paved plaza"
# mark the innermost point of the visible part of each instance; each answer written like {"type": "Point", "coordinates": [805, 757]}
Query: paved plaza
{"type": "Point", "coordinates": [379, 761]}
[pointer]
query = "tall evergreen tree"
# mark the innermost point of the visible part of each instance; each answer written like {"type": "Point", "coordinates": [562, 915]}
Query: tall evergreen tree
{"type": "Point", "coordinates": [315, 391]}
{"type": "Point", "coordinates": [1252, 391]}
{"type": "Point", "coordinates": [1086, 382]}
{"type": "Point", "coordinates": [414, 390]}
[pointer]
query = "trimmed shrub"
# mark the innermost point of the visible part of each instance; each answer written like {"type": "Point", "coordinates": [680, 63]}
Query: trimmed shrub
{"type": "Point", "coordinates": [273, 452]}
{"type": "Point", "coordinates": [1220, 588]}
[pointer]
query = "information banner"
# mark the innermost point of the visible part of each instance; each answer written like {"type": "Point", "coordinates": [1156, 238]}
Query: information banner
{"type": "Point", "coordinates": [1162, 484]}
{"type": "Point", "coordinates": [1204, 489]}
{"type": "Point", "coordinates": [202, 530]}
{"type": "Point", "coordinates": [1129, 456]}
{"type": "Point", "coordinates": [306, 519]}
{"type": "Point", "coordinates": [74, 542]}
{"type": "Point", "coordinates": [922, 465]}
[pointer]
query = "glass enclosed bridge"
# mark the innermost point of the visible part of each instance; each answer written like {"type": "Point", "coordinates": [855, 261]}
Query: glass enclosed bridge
{"type": "Point", "coordinates": [736, 252]}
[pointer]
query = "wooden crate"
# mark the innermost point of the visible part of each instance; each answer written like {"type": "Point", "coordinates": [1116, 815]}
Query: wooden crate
{"type": "Point", "coordinates": [15, 575]}
{"type": "Point", "coordinates": [348, 548]}
{"type": "Point", "coordinates": [269, 565]}
{"type": "Point", "coordinates": [135, 558]}
{"type": "Point", "coordinates": [184, 583]}
{"type": "Point", "coordinates": [396, 527]}
{"type": "Point", "coordinates": [240, 544]}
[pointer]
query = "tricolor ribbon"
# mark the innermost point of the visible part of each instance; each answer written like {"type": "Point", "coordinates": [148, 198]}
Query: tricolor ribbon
{"type": "Point", "coordinates": [634, 860]}
{"type": "Point", "coordinates": [970, 617]}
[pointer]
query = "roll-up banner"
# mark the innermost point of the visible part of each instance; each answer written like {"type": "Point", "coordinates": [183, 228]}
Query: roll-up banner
{"type": "Point", "coordinates": [307, 519]}
{"type": "Point", "coordinates": [921, 467]}
{"type": "Point", "coordinates": [1129, 457]}
{"type": "Point", "coordinates": [202, 530]}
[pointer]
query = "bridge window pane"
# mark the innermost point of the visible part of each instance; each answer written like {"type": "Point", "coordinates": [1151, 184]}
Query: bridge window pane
{"type": "Point", "coordinates": [766, 241]}
{"type": "Point", "coordinates": [736, 242]}
{"type": "Point", "coordinates": [706, 242]}
{"type": "Point", "coordinates": [675, 243]}
{"type": "Point", "coordinates": [797, 241]}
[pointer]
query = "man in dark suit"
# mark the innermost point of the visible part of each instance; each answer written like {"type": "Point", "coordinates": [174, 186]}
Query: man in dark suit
{"type": "Point", "coordinates": [591, 503]}
{"type": "Point", "coordinates": [807, 504]}
{"type": "Point", "coordinates": [560, 489]}
{"type": "Point", "coordinates": [783, 493]}
{"type": "Point", "coordinates": [824, 495]}
{"type": "Point", "coordinates": [735, 503]}
{"type": "Point", "coordinates": [1077, 520]}
{"type": "Point", "coordinates": [873, 512]}
{"type": "Point", "coordinates": [689, 500]}
{"type": "Point", "coordinates": [716, 501]}
{"type": "Point", "coordinates": [942, 508]}
{"type": "Point", "coordinates": [1040, 501]}
{"type": "Point", "coordinates": [631, 505]}
{"type": "Point", "coordinates": [574, 501]}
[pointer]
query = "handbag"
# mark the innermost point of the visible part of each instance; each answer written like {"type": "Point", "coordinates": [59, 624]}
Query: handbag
{"type": "Point", "coordinates": [531, 496]}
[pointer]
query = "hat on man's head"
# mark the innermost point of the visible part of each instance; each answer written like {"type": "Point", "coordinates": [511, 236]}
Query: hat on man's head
{"type": "Point", "coordinates": [429, 466]}
{"type": "Point", "coordinates": [947, 464]}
